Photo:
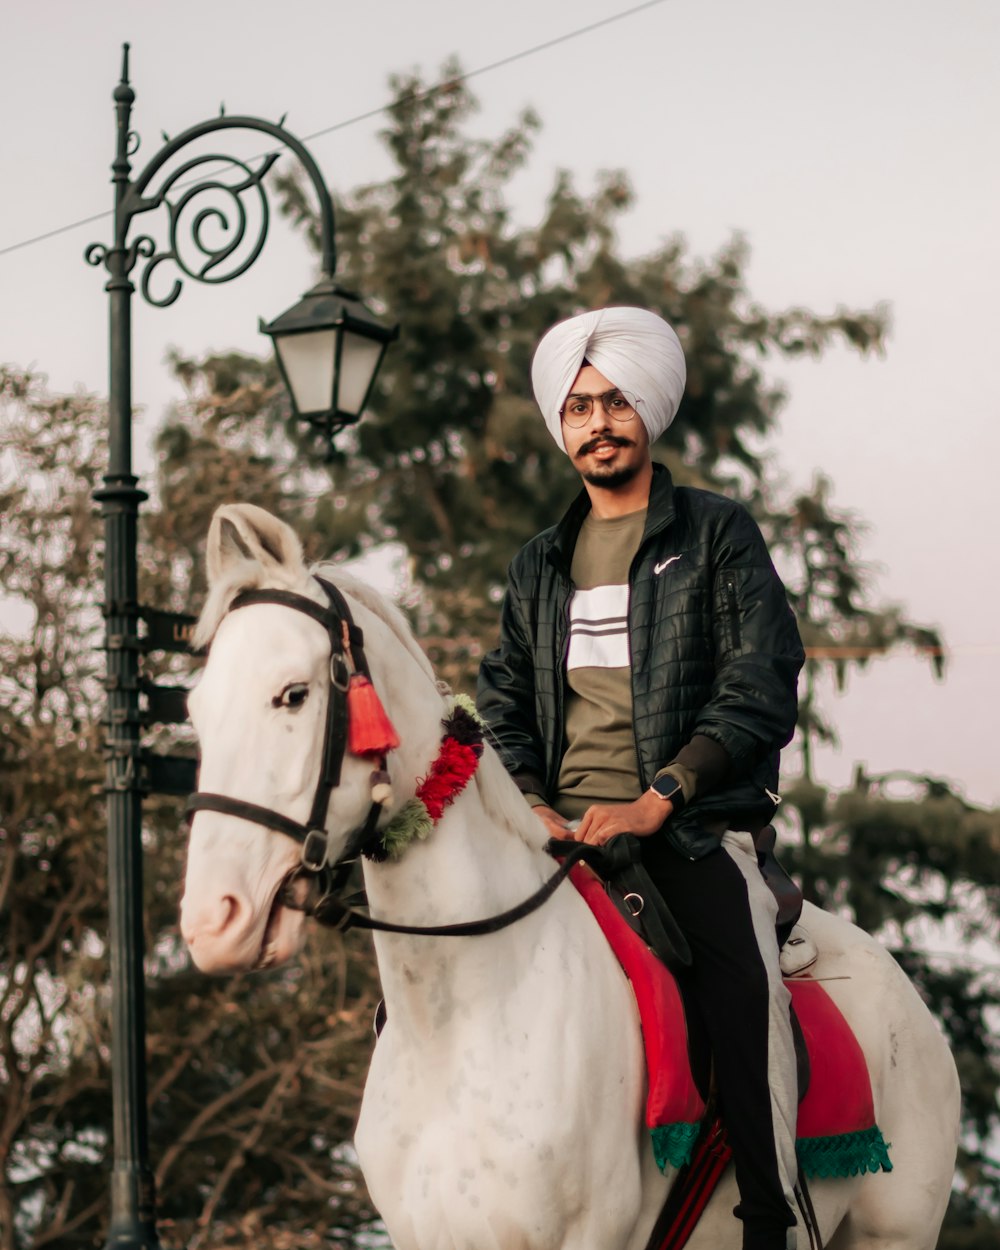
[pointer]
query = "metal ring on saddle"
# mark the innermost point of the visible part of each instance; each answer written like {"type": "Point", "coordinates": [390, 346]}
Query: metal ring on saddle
{"type": "Point", "coordinates": [635, 903]}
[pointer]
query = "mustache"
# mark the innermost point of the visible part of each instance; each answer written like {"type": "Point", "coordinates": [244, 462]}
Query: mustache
{"type": "Point", "coordinates": [614, 440]}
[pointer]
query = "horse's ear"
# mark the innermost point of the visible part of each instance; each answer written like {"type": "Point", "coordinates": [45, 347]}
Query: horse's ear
{"type": "Point", "coordinates": [243, 534]}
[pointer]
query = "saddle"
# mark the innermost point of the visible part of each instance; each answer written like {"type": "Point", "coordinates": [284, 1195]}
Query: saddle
{"type": "Point", "coordinates": [619, 865]}
{"type": "Point", "coordinates": [787, 894]}
{"type": "Point", "coordinates": [837, 1134]}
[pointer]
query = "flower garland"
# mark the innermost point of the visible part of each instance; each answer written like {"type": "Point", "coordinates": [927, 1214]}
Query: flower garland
{"type": "Point", "coordinates": [456, 762]}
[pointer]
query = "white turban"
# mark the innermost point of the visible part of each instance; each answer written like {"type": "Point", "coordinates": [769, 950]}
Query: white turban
{"type": "Point", "coordinates": [635, 350]}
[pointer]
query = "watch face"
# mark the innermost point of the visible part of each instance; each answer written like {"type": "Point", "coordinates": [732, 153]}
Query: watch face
{"type": "Point", "coordinates": [667, 787]}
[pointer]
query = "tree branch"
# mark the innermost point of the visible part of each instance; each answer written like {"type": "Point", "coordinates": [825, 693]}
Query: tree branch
{"type": "Point", "coordinates": [198, 1123]}
{"type": "Point", "coordinates": [247, 1143]}
{"type": "Point", "coordinates": [54, 1232]}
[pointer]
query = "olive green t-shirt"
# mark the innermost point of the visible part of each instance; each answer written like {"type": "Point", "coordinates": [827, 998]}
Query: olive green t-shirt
{"type": "Point", "coordinates": [599, 763]}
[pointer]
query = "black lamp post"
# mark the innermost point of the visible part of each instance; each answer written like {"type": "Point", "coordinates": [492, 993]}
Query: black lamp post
{"type": "Point", "coordinates": [329, 348]}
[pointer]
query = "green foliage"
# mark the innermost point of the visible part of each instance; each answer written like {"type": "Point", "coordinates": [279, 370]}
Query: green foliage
{"type": "Point", "coordinates": [905, 857]}
{"type": "Point", "coordinates": [909, 859]}
{"type": "Point", "coordinates": [254, 1083]}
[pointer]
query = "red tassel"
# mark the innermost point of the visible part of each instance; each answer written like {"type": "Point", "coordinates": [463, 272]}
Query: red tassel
{"type": "Point", "coordinates": [370, 731]}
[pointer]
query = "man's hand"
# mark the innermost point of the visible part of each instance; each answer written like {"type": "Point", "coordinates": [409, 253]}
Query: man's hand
{"type": "Point", "coordinates": [604, 821]}
{"type": "Point", "coordinates": [557, 825]}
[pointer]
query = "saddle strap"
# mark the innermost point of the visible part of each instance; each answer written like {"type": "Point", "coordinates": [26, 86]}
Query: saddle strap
{"type": "Point", "coordinates": [695, 1184]}
{"type": "Point", "coordinates": [690, 1193]}
{"type": "Point", "coordinates": [787, 894]}
{"type": "Point", "coordinates": [619, 864]}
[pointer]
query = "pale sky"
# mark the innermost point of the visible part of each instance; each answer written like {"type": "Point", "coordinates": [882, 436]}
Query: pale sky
{"type": "Point", "coordinates": [855, 145]}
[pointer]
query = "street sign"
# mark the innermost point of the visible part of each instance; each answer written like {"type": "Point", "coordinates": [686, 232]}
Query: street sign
{"type": "Point", "coordinates": [167, 705]}
{"type": "Point", "coordinates": [167, 631]}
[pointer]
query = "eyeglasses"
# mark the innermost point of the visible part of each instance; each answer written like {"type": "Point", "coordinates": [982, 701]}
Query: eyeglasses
{"type": "Point", "coordinates": [619, 405]}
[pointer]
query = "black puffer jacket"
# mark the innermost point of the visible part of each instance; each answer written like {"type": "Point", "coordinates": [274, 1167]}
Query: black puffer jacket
{"type": "Point", "coordinates": [714, 645]}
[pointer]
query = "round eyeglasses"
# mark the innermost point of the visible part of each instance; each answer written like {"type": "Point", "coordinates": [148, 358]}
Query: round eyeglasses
{"type": "Point", "coordinates": [619, 405]}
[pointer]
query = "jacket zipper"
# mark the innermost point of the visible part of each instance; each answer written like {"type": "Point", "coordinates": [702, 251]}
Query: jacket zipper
{"type": "Point", "coordinates": [561, 683]}
{"type": "Point", "coordinates": [631, 667]}
{"type": "Point", "coordinates": [732, 609]}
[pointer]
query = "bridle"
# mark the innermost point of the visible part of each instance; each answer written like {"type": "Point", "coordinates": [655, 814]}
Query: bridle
{"type": "Point", "coordinates": [347, 656]}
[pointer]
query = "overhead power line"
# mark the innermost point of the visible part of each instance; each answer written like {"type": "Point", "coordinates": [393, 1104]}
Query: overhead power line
{"type": "Point", "coordinates": [445, 84]}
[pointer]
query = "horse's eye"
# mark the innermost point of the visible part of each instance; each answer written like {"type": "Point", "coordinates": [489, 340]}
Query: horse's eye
{"type": "Point", "coordinates": [293, 696]}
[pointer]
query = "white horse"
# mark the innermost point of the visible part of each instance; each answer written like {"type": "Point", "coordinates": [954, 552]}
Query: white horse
{"type": "Point", "coordinates": [504, 1104]}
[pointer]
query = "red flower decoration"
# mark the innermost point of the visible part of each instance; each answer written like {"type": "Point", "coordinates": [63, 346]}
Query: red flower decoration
{"type": "Point", "coordinates": [449, 774]}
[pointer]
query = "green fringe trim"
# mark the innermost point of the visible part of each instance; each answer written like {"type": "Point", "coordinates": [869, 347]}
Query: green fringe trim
{"type": "Point", "coordinates": [847, 1154]}
{"type": "Point", "coordinates": [673, 1143]}
{"type": "Point", "coordinates": [410, 823]}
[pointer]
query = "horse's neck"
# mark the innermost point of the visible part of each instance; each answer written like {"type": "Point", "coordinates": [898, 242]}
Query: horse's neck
{"type": "Point", "coordinates": [471, 866]}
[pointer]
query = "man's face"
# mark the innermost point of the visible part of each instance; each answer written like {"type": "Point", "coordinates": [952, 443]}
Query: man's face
{"type": "Point", "coordinates": [605, 452]}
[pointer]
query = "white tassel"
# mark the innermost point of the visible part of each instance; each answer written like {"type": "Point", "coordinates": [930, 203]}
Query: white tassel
{"type": "Point", "coordinates": [381, 787]}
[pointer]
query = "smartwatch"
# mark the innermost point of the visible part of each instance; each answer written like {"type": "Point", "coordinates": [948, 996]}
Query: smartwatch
{"type": "Point", "coordinates": [667, 787]}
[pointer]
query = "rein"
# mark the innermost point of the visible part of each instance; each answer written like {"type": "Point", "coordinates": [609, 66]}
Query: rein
{"type": "Point", "coordinates": [617, 863]}
{"type": "Point", "coordinates": [329, 910]}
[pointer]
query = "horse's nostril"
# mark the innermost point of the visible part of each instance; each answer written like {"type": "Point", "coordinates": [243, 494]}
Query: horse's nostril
{"type": "Point", "coordinates": [229, 912]}
{"type": "Point", "coordinates": [209, 919]}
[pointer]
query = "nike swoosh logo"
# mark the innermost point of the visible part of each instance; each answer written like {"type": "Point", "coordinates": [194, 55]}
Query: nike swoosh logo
{"type": "Point", "coordinates": [658, 568]}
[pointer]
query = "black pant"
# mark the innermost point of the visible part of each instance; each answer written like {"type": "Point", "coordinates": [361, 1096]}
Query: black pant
{"type": "Point", "coordinates": [728, 985]}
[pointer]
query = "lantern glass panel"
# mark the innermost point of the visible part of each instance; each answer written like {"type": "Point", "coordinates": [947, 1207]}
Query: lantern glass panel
{"type": "Point", "coordinates": [359, 358]}
{"type": "Point", "coordinates": [308, 361]}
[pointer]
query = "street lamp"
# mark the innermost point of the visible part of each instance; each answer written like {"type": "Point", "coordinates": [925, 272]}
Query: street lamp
{"type": "Point", "coordinates": [329, 348]}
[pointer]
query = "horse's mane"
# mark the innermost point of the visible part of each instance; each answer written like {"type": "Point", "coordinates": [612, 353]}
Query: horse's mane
{"type": "Point", "coordinates": [504, 802]}
{"type": "Point", "coordinates": [383, 608]}
{"type": "Point", "coordinates": [501, 798]}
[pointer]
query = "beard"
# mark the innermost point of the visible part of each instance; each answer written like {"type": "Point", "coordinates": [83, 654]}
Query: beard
{"type": "Point", "coordinates": [607, 476]}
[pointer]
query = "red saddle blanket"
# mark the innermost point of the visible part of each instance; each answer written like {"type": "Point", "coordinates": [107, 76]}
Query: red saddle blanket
{"type": "Point", "coordinates": [837, 1134]}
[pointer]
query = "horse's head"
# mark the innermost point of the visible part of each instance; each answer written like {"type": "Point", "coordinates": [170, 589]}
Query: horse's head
{"type": "Point", "coordinates": [260, 712]}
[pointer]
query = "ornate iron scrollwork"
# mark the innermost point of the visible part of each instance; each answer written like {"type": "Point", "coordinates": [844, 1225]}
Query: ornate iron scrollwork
{"type": "Point", "coordinates": [243, 232]}
{"type": "Point", "coordinates": [211, 240]}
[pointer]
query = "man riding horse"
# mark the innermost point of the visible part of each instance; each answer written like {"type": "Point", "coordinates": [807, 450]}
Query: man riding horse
{"type": "Point", "coordinates": [644, 683]}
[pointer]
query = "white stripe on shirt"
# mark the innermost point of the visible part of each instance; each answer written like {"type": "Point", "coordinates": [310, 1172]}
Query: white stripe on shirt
{"type": "Point", "coordinates": [598, 631]}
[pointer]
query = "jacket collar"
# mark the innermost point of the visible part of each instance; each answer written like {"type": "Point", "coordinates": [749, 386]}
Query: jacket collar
{"type": "Point", "coordinates": [661, 512]}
